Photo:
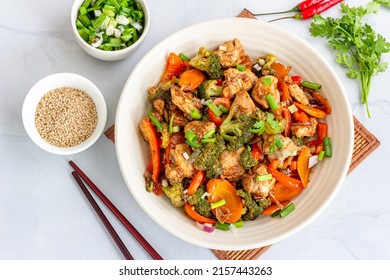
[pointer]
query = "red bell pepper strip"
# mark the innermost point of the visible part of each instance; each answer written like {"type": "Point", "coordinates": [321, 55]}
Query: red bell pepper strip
{"type": "Point", "coordinates": [196, 181]}
{"type": "Point", "coordinates": [287, 115]}
{"type": "Point", "coordinates": [322, 131]}
{"type": "Point", "coordinates": [283, 178]}
{"type": "Point", "coordinates": [311, 110]}
{"type": "Point", "coordinates": [219, 101]}
{"type": "Point", "coordinates": [257, 154]}
{"type": "Point", "coordinates": [173, 68]}
{"type": "Point", "coordinates": [150, 134]}
{"type": "Point", "coordinates": [196, 216]}
{"type": "Point", "coordinates": [296, 79]}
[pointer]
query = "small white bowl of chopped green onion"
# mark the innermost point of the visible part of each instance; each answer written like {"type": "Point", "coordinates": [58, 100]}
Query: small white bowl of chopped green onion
{"type": "Point", "coordinates": [110, 30]}
{"type": "Point", "coordinates": [64, 113]}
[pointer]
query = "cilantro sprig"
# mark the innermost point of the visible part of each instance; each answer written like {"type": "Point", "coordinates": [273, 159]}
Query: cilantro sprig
{"type": "Point", "coordinates": [359, 48]}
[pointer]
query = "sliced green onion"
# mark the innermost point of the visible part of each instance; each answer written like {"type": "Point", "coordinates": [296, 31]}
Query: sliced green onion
{"type": "Point", "coordinates": [223, 109]}
{"type": "Point", "coordinates": [275, 214]}
{"type": "Point", "coordinates": [267, 81]}
{"type": "Point", "coordinates": [193, 144]}
{"type": "Point", "coordinates": [321, 156]}
{"type": "Point", "coordinates": [175, 129]}
{"type": "Point", "coordinates": [184, 57]}
{"type": "Point", "coordinates": [264, 177]}
{"type": "Point", "coordinates": [211, 140]}
{"type": "Point", "coordinates": [83, 10]}
{"type": "Point", "coordinates": [221, 226]}
{"type": "Point", "coordinates": [271, 101]}
{"type": "Point", "coordinates": [213, 108]}
{"type": "Point", "coordinates": [311, 85]}
{"type": "Point", "coordinates": [241, 67]}
{"type": "Point", "coordinates": [249, 148]}
{"type": "Point", "coordinates": [155, 121]}
{"type": "Point", "coordinates": [191, 136]}
{"type": "Point", "coordinates": [238, 224]}
{"type": "Point", "coordinates": [208, 134]}
{"type": "Point", "coordinates": [287, 210]}
{"type": "Point", "coordinates": [292, 108]}
{"type": "Point", "coordinates": [195, 114]}
{"type": "Point", "coordinates": [218, 204]}
{"type": "Point", "coordinates": [86, 3]}
{"type": "Point", "coordinates": [327, 147]}
{"type": "Point", "coordinates": [171, 124]}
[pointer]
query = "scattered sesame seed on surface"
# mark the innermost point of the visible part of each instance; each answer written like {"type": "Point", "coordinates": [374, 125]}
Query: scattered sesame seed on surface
{"type": "Point", "coordinates": [65, 117]}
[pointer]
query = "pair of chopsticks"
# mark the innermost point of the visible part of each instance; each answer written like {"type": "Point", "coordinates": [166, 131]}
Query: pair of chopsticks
{"type": "Point", "coordinates": [78, 174]}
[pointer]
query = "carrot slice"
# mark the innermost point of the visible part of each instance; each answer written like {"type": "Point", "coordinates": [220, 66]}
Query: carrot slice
{"type": "Point", "coordinates": [311, 110]}
{"type": "Point", "coordinates": [191, 79]}
{"type": "Point", "coordinates": [273, 208]}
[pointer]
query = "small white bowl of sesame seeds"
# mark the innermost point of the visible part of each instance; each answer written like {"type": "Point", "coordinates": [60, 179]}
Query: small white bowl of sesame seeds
{"type": "Point", "coordinates": [64, 113]}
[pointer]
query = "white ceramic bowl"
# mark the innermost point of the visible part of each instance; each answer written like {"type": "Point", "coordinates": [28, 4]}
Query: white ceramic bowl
{"type": "Point", "coordinates": [57, 81]}
{"type": "Point", "coordinates": [258, 38]}
{"type": "Point", "coordinates": [109, 55]}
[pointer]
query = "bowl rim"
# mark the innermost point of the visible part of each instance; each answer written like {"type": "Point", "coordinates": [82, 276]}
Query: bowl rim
{"type": "Point", "coordinates": [59, 80]}
{"type": "Point", "coordinates": [251, 245]}
{"type": "Point", "coordinates": [74, 11]}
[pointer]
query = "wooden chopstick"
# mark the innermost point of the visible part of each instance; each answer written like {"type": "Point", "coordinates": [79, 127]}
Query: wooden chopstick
{"type": "Point", "coordinates": [103, 218]}
{"type": "Point", "coordinates": [145, 244]}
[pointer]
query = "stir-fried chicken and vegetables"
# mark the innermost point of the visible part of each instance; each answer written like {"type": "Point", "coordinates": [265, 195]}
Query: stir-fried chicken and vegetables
{"type": "Point", "coordinates": [233, 138]}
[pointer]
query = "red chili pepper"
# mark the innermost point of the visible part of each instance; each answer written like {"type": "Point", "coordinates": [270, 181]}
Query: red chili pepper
{"type": "Point", "coordinates": [300, 7]}
{"type": "Point", "coordinates": [149, 132]}
{"type": "Point", "coordinates": [296, 79]}
{"type": "Point", "coordinates": [317, 9]}
{"type": "Point", "coordinates": [257, 154]}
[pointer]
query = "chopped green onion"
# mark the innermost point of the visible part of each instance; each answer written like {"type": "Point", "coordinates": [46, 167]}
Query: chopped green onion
{"type": "Point", "coordinates": [241, 67]}
{"type": "Point", "coordinates": [249, 148]}
{"type": "Point", "coordinates": [195, 114]}
{"type": "Point", "coordinates": [238, 224]}
{"type": "Point", "coordinates": [171, 124]}
{"type": "Point", "coordinates": [193, 144]}
{"type": "Point", "coordinates": [191, 136]}
{"type": "Point", "coordinates": [86, 3]}
{"type": "Point", "coordinates": [184, 57]}
{"type": "Point", "coordinates": [155, 121]}
{"type": "Point", "coordinates": [311, 85]}
{"type": "Point", "coordinates": [321, 156]}
{"type": "Point", "coordinates": [271, 101]}
{"type": "Point", "coordinates": [223, 109]}
{"type": "Point", "coordinates": [287, 210]}
{"type": "Point", "coordinates": [211, 140]}
{"type": "Point", "coordinates": [292, 108]}
{"type": "Point", "coordinates": [213, 108]}
{"type": "Point", "coordinates": [221, 226]}
{"type": "Point", "coordinates": [264, 177]}
{"type": "Point", "coordinates": [175, 129]}
{"type": "Point", "coordinates": [208, 134]}
{"type": "Point", "coordinates": [84, 20]}
{"type": "Point", "coordinates": [218, 204]}
{"type": "Point", "coordinates": [267, 81]}
{"type": "Point", "coordinates": [327, 147]}
{"type": "Point", "coordinates": [83, 10]}
{"type": "Point", "coordinates": [275, 214]}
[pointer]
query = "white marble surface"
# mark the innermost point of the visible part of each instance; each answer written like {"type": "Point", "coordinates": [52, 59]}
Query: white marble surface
{"type": "Point", "coordinates": [43, 215]}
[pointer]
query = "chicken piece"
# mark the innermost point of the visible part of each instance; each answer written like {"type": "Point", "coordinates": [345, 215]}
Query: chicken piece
{"type": "Point", "coordinates": [159, 106]}
{"type": "Point", "coordinates": [230, 161]}
{"type": "Point", "coordinates": [266, 85]}
{"type": "Point", "coordinates": [305, 130]}
{"type": "Point", "coordinates": [236, 81]}
{"type": "Point", "coordinates": [252, 185]}
{"type": "Point", "coordinates": [178, 168]}
{"type": "Point", "coordinates": [200, 127]}
{"type": "Point", "coordinates": [231, 54]}
{"type": "Point", "coordinates": [288, 148]}
{"type": "Point", "coordinates": [297, 93]}
{"type": "Point", "coordinates": [179, 118]}
{"type": "Point", "coordinates": [185, 101]}
{"type": "Point", "coordinates": [245, 103]}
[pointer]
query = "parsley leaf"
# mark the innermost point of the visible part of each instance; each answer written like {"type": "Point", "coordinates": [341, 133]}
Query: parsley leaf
{"type": "Point", "coordinates": [278, 142]}
{"type": "Point", "coordinates": [359, 48]}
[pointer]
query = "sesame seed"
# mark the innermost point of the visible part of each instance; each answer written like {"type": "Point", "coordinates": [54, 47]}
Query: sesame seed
{"type": "Point", "coordinates": [65, 117]}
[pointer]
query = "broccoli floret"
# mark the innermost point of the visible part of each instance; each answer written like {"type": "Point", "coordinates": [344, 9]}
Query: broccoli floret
{"type": "Point", "coordinates": [266, 68]}
{"type": "Point", "coordinates": [246, 160]}
{"type": "Point", "coordinates": [253, 208]}
{"type": "Point", "coordinates": [162, 91]}
{"type": "Point", "coordinates": [209, 89]}
{"type": "Point", "coordinates": [207, 61]}
{"type": "Point", "coordinates": [236, 132]}
{"type": "Point", "coordinates": [202, 206]}
{"type": "Point", "coordinates": [208, 159]}
{"type": "Point", "coordinates": [175, 194]}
